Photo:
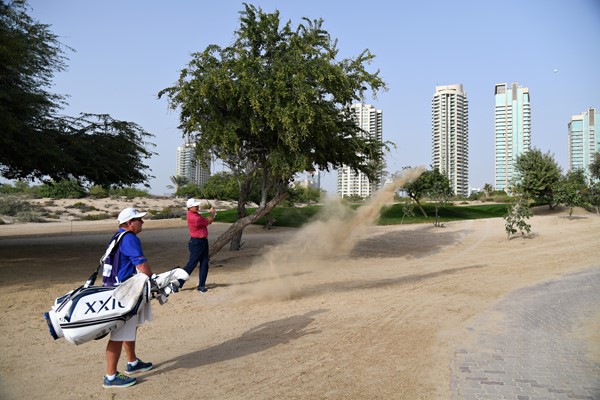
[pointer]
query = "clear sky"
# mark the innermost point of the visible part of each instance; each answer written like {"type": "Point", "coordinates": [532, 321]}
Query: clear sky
{"type": "Point", "coordinates": [127, 51]}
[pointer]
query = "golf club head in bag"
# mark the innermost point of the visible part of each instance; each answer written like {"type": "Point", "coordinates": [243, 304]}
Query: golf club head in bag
{"type": "Point", "coordinates": [162, 285]}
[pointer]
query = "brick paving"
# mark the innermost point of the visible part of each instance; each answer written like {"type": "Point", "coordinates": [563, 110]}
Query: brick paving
{"type": "Point", "coordinates": [527, 348]}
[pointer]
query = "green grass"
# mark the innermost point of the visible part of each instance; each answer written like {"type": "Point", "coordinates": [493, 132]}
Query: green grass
{"type": "Point", "coordinates": [297, 216]}
{"type": "Point", "coordinates": [393, 215]}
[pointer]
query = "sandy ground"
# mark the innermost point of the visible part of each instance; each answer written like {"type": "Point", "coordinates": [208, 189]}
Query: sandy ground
{"type": "Point", "coordinates": [312, 313]}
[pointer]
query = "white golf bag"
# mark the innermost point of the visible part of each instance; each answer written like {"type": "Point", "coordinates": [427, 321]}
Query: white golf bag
{"type": "Point", "coordinates": [92, 312]}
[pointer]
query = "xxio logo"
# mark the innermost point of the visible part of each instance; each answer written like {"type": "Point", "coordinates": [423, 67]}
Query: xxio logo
{"type": "Point", "coordinates": [108, 305]}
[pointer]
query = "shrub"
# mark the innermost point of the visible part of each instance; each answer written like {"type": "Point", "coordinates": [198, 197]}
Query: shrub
{"type": "Point", "coordinates": [10, 205]}
{"type": "Point", "coordinates": [129, 192]}
{"type": "Point", "coordinates": [96, 217]}
{"type": "Point", "coordinates": [167, 213]}
{"type": "Point", "coordinates": [64, 189]}
{"type": "Point", "coordinates": [98, 192]}
{"type": "Point", "coordinates": [83, 207]}
{"type": "Point", "coordinates": [516, 215]}
{"type": "Point", "coordinates": [29, 216]}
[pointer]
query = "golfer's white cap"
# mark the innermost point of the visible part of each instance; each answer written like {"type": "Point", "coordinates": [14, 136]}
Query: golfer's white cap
{"type": "Point", "coordinates": [192, 202]}
{"type": "Point", "coordinates": [129, 213]}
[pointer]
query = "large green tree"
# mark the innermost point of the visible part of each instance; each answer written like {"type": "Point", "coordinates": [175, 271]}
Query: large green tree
{"type": "Point", "coordinates": [274, 103]}
{"type": "Point", "coordinates": [36, 142]}
{"type": "Point", "coordinates": [537, 176]}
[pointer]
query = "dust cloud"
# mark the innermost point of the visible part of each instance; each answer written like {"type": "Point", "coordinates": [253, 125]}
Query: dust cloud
{"type": "Point", "coordinates": [330, 237]}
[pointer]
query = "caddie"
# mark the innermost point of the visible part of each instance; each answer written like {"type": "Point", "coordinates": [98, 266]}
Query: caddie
{"type": "Point", "coordinates": [131, 261]}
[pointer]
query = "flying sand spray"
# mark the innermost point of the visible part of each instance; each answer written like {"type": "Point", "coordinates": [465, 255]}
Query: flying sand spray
{"type": "Point", "coordinates": [330, 237]}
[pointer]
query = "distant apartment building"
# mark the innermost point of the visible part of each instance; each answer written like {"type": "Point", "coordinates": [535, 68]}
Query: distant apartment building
{"type": "Point", "coordinates": [188, 166]}
{"type": "Point", "coordinates": [349, 182]}
{"type": "Point", "coordinates": [584, 141]}
{"type": "Point", "coordinates": [450, 136]}
{"type": "Point", "coordinates": [309, 180]}
{"type": "Point", "coordinates": [512, 130]}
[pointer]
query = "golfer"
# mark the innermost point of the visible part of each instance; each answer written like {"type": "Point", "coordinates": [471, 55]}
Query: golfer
{"type": "Point", "coordinates": [198, 243]}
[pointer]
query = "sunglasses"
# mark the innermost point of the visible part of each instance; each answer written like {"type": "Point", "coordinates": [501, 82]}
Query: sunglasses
{"type": "Point", "coordinates": [135, 219]}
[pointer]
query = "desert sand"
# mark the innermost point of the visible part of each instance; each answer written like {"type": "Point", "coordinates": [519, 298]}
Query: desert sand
{"type": "Point", "coordinates": [329, 311]}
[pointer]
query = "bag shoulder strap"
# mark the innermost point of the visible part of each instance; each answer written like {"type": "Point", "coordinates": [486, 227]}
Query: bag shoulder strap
{"type": "Point", "coordinates": [112, 247]}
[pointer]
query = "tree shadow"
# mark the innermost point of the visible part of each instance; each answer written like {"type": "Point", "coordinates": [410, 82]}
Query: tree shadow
{"type": "Point", "coordinates": [406, 243]}
{"type": "Point", "coordinates": [255, 340]}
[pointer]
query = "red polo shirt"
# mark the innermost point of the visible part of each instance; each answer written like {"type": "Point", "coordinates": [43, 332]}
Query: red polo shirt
{"type": "Point", "coordinates": [197, 224]}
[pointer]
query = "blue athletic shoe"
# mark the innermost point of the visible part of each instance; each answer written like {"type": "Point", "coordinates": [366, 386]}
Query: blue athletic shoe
{"type": "Point", "coordinates": [139, 367]}
{"type": "Point", "coordinates": [120, 381]}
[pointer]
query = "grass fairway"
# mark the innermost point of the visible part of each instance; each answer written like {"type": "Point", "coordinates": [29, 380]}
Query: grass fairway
{"type": "Point", "coordinates": [295, 217]}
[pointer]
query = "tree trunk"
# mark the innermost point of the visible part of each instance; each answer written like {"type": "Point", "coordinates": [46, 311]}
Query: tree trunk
{"type": "Point", "coordinates": [239, 225]}
{"type": "Point", "coordinates": [270, 221]}
{"type": "Point", "coordinates": [236, 241]}
{"type": "Point", "coordinates": [420, 207]}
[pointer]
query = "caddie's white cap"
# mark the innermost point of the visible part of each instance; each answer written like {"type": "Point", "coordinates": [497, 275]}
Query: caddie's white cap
{"type": "Point", "coordinates": [192, 202]}
{"type": "Point", "coordinates": [129, 213]}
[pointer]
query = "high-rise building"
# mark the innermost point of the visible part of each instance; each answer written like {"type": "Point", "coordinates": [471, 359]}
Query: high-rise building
{"type": "Point", "coordinates": [450, 136]}
{"type": "Point", "coordinates": [349, 182]}
{"type": "Point", "coordinates": [512, 130]}
{"type": "Point", "coordinates": [188, 166]}
{"type": "Point", "coordinates": [584, 141]}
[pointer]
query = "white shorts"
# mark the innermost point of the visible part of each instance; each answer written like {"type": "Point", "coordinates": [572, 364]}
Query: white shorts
{"type": "Point", "coordinates": [128, 332]}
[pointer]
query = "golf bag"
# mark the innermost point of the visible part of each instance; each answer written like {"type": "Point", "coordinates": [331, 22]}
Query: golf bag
{"type": "Point", "coordinates": [92, 312]}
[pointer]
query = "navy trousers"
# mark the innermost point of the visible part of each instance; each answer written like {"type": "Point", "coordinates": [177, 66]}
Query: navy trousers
{"type": "Point", "coordinates": [198, 254]}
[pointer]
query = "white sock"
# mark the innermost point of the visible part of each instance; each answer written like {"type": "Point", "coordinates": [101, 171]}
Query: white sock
{"type": "Point", "coordinates": [133, 364]}
{"type": "Point", "coordinates": [111, 377]}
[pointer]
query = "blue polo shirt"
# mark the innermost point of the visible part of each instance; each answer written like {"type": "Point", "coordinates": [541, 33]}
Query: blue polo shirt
{"type": "Point", "coordinates": [131, 256]}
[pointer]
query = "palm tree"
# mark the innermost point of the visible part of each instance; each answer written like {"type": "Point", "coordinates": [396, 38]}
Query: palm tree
{"type": "Point", "coordinates": [178, 181]}
{"type": "Point", "coordinates": [488, 189]}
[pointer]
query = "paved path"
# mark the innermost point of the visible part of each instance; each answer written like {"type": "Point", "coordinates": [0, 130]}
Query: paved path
{"type": "Point", "coordinates": [530, 346]}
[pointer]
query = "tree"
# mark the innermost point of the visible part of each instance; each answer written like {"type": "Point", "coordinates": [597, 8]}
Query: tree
{"type": "Point", "coordinates": [38, 143]}
{"type": "Point", "coordinates": [537, 176]}
{"type": "Point", "coordinates": [488, 189]}
{"type": "Point", "coordinates": [430, 183]}
{"type": "Point", "coordinates": [177, 181]}
{"type": "Point", "coordinates": [439, 191]}
{"type": "Point", "coordinates": [571, 190]}
{"type": "Point", "coordinates": [275, 103]}
{"type": "Point", "coordinates": [593, 196]}
{"type": "Point", "coordinates": [221, 186]}
{"type": "Point", "coordinates": [594, 167]}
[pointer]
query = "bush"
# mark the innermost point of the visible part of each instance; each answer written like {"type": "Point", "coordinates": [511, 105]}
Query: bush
{"type": "Point", "coordinates": [517, 213]}
{"type": "Point", "coordinates": [83, 207]}
{"type": "Point", "coordinates": [29, 216]}
{"type": "Point", "coordinates": [98, 192]}
{"type": "Point", "coordinates": [96, 217]}
{"type": "Point", "coordinates": [10, 205]}
{"type": "Point", "coordinates": [64, 189]}
{"type": "Point", "coordinates": [167, 213]}
{"type": "Point", "coordinates": [129, 192]}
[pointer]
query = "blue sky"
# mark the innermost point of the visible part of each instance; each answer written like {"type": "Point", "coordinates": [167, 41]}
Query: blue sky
{"type": "Point", "coordinates": [127, 51]}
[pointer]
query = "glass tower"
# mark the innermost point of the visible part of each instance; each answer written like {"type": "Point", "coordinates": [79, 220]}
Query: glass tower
{"type": "Point", "coordinates": [350, 183]}
{"type": "Point", "coordinates": [584, 141]}
{"type": "Point", "coordinates": [450, 136]}
{"type": "Point", "coordinates": [188, 166]}
{"type": "Point", "coordinates": [512, 130]}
